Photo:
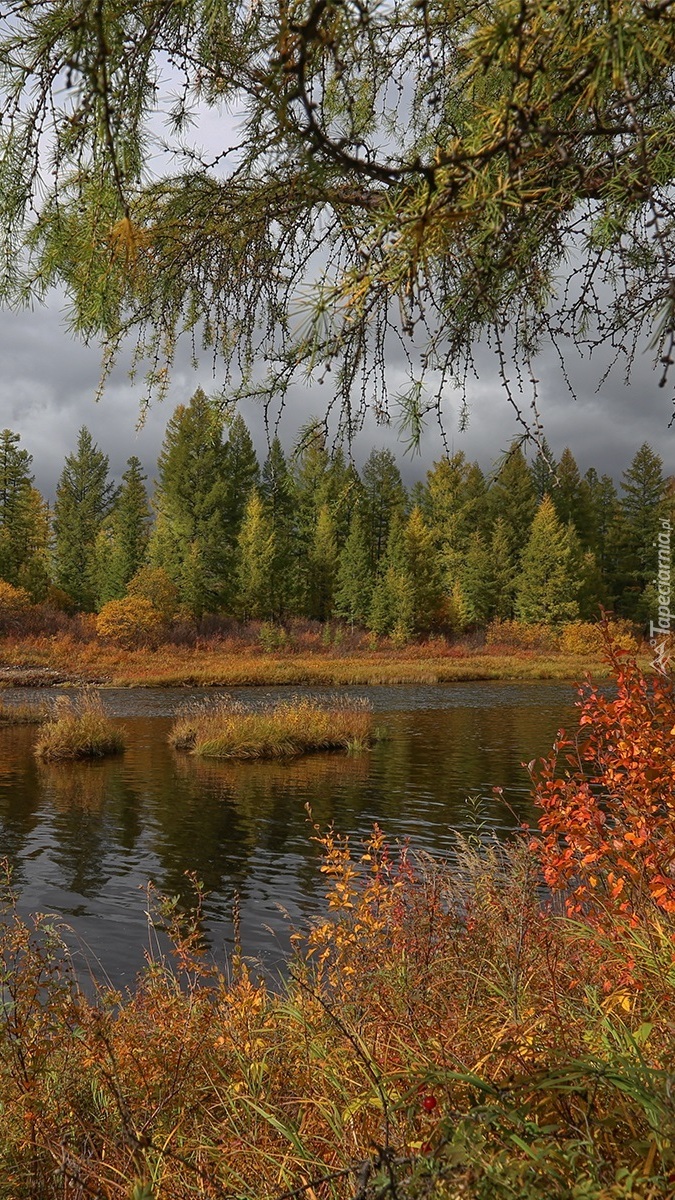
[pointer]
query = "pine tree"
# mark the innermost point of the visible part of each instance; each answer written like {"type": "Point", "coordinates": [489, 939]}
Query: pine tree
{"type": "Point", "coordinates": [392, 609]}
{"type": "Point", "coordinates": [84, 496]}
{"type": "Point", "coordinates": [16, 507]}
{"type": "Point", "coordinates": [354, 591]}
{"type": "Point", "coordinates": [512, 497]}
{"type": "Point", "coordinates": [256, 556]}
{"type": "Point", "coordinates": [191, 540]}
{"type": "Point", "coordinates": [548, 586]}
{"type": "Point", "coordinates": [384, 499]}
{"type": "Point", "coordinates": [123, 541]}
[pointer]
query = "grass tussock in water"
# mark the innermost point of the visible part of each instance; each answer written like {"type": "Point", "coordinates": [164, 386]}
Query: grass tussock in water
{"type": "Point", "coordinates": [227, 729]}
{"type": "Point", "coordinates": [78, 728]}
{"type": "Point", "coordinates": [22, 714]}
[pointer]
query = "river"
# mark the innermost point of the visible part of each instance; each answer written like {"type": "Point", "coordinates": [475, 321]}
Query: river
{"type": "Point", "coordinates": [85, 839]}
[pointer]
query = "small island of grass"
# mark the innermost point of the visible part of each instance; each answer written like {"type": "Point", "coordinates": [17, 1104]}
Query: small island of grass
{"type": "Point", "coordinates": [22, 714]}
{"type": "Point", "coordinates": [78, 728]}
{"type": "Point", "coordinates": [227, 729]}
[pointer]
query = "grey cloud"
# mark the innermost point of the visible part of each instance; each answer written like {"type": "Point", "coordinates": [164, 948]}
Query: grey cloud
{"type": "Point", "coordinates": [49, 380]}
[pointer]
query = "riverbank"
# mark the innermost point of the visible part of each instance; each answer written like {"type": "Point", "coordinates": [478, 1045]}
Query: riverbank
{"type": "Point", "coordinates": [45, 662]}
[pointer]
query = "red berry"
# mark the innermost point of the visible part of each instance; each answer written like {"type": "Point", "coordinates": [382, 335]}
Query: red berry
{"type": "Point", "coordinates": [429, 1103]}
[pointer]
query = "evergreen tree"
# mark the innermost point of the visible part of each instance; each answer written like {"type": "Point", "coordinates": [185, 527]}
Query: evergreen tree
{"type": "Point", "coordinates": [256, 557]}
{"type": "Point", "coordinates": [455, 504]}
{"type": "Point", "coordinates": [603, 505]}
{"type": "Point", "coordinates": [354, 591]}
{"type": "Point", "coordinates": [421, 564]}
{"type": "Point", "coordinates": [547, 586]}
{"type": "Point", "coordinates": [123, 541]}
{"type": "Point", "coordinates": [384, 499]}
{"type": "Point", "coordinates": [278, 494]}
{"type": "Point", "coordinates": [474, 597]}
{"type": "Point", "coordinates": [392, 609]}
{"type": "Point", "coordinates": [512, 497]}
{"type": "Point", "coordinates": [571, 496]}
{"type": "Point", "coordinates": [84, 496]}
{"type": "Point", "coordinates": [16, 507]}
{"type": "Point", "coordinates": [322, 566]}
{"type": "Point", "coordinates": [192, 540]}
{"type": "Point", "coordinates": [642, 505]}
{"type": "Point", "coordinates": [543, 471]}
{"type": "Point", "coordinates": [35, 569]}
{"type": "Point", "coordinates": [502, 571]}
{"type": "Point", "coordinates": [241, 474]}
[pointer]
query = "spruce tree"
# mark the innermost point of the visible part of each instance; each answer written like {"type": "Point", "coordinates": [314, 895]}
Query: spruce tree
{"type": "Point", "coordinates": [548, 584]}
{"type": "Point", "coordinates": [277, 491]}
{"type": "Point", "coordinates": [123, 542]}
{"type": "Point", "coordinates": [241, 473]}
{"type": "Point", "coordinates": [512, 497]}
{"type": "Point", "coordinates": [543, 471]}
{"type": "Point", "coordinates": [84, 496]}
{"type": "Point", "coordinates": [354, 590]}
{"type": "Point", "coordinates": [571, 496]}
{"type": "Point", "coordinates": [454, 504]}
{"type": "Point", "coordinates": [322, 566]}
{"type": "Point", "coordinates": [192, 541]}
{"type": "Point", "coordinates": [17, 508]}
{"type": "Point", "coordinates": [641, 507]}
{"type": "Point", "coordinates": [474, 598]}
{"type": "Point", "coordinates": [384, 499]}
{"type": "Point", "coordinates": [604, 515]}
{"type": "Point", "coordinates": [256, 556]}
{"type": "Point", "coordinates": [421, 564]}
{"type": "Point", "coordinates": [503, 571]}
{"type": "Point", "coordinates": [392, 609]}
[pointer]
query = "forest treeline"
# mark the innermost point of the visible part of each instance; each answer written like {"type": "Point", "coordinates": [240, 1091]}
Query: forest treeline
{"type": "Point", "coordinates": [307, 535]}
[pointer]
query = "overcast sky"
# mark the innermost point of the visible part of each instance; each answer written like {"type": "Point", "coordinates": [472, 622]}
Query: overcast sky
{"type": "Point", "coordinates": [48, 384]}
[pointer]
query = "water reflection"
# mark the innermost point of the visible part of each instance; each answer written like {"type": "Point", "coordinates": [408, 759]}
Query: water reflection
{"type": "Point", "coordinates": [84, 839]}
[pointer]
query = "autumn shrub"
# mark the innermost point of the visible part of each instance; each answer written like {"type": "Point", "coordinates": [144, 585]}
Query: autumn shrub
{"type": "Point", "coordinates": [588, 637]}
{"type": "Point", "coordinates": [521, 636]}
{"type": "Point", "coordinates": [78, 727]}
{"type": "Point", "coordinates": [227, 729]}
{"type": "Point", "coordinates": [607, 795]}
{"type": "Point", "coordinates": [132, 621]}
{"type": "Point", "coordinates": [155, 585]}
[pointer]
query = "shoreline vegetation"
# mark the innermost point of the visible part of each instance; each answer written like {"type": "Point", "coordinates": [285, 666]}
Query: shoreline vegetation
{"type": "Point", "coordinates": [260, 654]}
{"type": "Point", "coordinates": [446, 1029]}
{"type": "Point", "coordinates": [229, 730]}
{"type": "Point", "coordinates": [78, 728]}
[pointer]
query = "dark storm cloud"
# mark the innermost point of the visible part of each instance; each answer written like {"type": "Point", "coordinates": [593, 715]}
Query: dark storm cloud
{"type": "Point", "coordinates": [48, 384]}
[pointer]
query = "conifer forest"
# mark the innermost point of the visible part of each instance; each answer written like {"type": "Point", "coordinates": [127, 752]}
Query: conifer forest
{"type": "Point", "coordinates": [305, 534]}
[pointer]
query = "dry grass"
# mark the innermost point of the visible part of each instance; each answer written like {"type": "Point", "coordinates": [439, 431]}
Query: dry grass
{"type": "Point", "coordinates": [228, 663]}
{"type": "Point", "coordinates": [78, 728]}
{"type": "Point", "coordinates": [227, 729]}
{"type": "Point", "coordinates": [23, 714]}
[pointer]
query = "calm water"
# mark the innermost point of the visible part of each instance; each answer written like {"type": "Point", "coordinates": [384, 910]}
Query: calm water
{"type": "Point", "coordinates": [85, 839]}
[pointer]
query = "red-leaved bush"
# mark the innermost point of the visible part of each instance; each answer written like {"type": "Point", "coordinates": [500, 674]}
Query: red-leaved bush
{"type": "Point", "coordinates": [608, 799]}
